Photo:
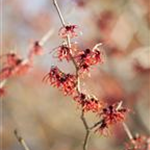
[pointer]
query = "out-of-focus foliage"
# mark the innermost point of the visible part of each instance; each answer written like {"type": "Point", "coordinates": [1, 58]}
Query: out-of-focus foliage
{"type": "Point", "coordinates": [45, 118]}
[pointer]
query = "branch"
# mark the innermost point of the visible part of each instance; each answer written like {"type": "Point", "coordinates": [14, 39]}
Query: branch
{"type": "Point", "coordinates": [127, 131]}
{"type": "Point", "coordinates": [45, 38]}
{"type": "Point", "coordinates": [87, 131]}
{"type": "Point", "coordinates": [96, 124]}
{"type": "Point", "coordinates": [59, 13]}
{"type": "Point", "coordinates": [77, 76]}
{"type": "Point", "coordinates": [21, 140]}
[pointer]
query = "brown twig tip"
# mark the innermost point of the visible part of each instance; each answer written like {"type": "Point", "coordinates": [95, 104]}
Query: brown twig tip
{"type": "Point", "coordinates": [21, 140]}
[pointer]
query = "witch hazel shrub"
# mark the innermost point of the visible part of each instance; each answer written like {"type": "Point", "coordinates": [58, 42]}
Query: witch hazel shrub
{"type": "Point", "coordinates": [82, 59]}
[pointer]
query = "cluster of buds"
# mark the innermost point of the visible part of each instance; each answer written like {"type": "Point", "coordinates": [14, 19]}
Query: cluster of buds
{"type": "Point", "coordinates": [64, 82]}
{"type": "Point", "coordinates": [139, 142]}
{"type": "Point", "coordinates": [111, 115]}
{"type": "Point", "coordinates": [88, 103]}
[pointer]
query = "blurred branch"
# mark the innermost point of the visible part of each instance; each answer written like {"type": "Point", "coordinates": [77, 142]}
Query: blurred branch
{"type": "Point", "coordinates": [21, 140]}
{"type": "Point", "coordinates": [139, 122]}
{"type": "Point", "coordinates": [45, 38]}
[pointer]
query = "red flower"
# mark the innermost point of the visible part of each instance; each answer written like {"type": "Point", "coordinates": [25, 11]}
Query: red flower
{"type": "Point", "coordinates": [88, 103]}
{"type": "Point", "coordinates": [110, 115]}
{"type": "Point", "coordinates": [63, 52]}
{"type": "Point", "coordinates": [83, 60]}
{"type": "Point", "coordinates": [139, 142]}
{"type": "Point", "coordinates": [113, 115]}
{"type": "Point", "coordinates": [68, 30]}
{"type": "Point", "coordinates": [53, 76]}
{"type": "Point", "coordinates": [87, 58]}
{"type": "Point", "coordinates": [68, 83]}
{"type": "Point", "coordinates": [65, 82]}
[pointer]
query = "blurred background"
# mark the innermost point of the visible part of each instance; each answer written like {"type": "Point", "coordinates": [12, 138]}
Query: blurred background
{"type": "Point", "coordinates": [44, 117]}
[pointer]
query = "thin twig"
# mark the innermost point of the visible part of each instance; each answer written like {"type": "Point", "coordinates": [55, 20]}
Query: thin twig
{"type": "Point", "coordinates": [21, 140]}
{"type": "Point", "coordinates": [84, 121]}
{"type": "Point", "coordinates": [124, 124]}
{"type": "Point", "coordinates": [127, 131]}
{"type": "Point", "coordinates": [45, 38]}
{"type": "Point", "coordinates": [87, 135]}
{"type": "Point", "coordinates": [77, 76]}
{"type": "Point", "coordinates": [96, 124]}
{"type": "Point", "coordinates": [59, 13]}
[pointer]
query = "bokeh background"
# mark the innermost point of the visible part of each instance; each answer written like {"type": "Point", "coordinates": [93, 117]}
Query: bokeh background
{"type": "Point", "coordinates": [45, 118]}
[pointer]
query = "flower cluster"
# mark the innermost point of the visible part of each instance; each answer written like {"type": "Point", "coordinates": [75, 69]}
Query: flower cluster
{"type": "Point", "coordinates": [139, 142]}
{"type": "Point", "coordinates": [87, 58]}
{"type": "Point", "coordinates": [63, 52]}
{"type": "Point", "coordinates": [14, 65]}
{"type": "Point", "coordinates": [82, 60]}
{"type": "Point", "coordinates": [111, 115]}
{"type": "Point", "coordinates": [64, 82]}
{"type": "Point", "coordinates": [68, 30]}
{"type": "Point", "coordinates": [88, 103]}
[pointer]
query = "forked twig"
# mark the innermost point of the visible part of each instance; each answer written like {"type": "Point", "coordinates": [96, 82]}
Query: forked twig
{"type": "Point", "coordinates": [87, 135]}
